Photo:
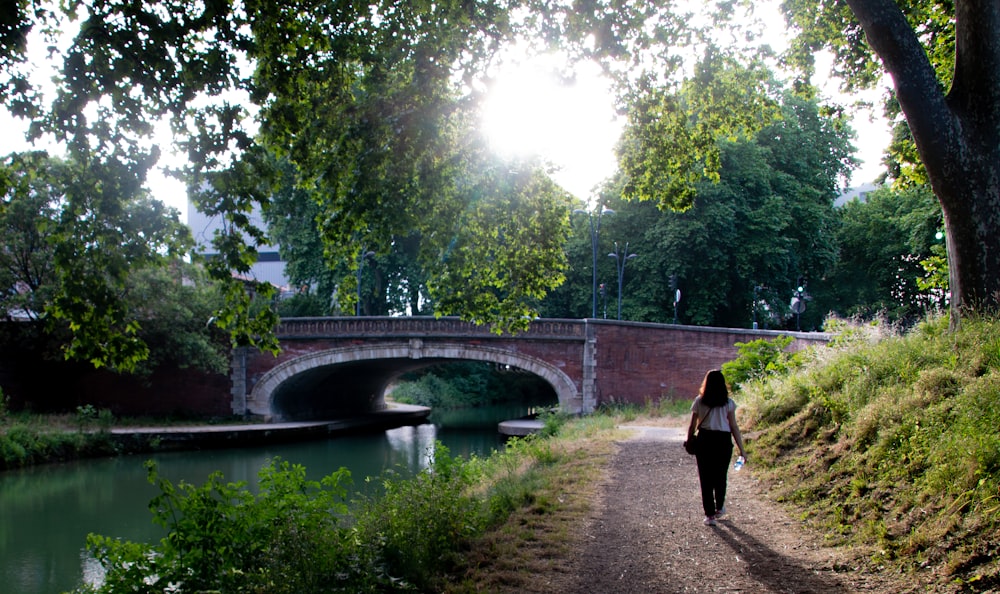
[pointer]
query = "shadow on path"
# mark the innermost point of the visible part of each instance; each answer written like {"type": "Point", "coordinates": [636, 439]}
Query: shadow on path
{"type": "Point", "coordinates": [646, 534]}
{"type": "Point", "coordinates": [777, 572]}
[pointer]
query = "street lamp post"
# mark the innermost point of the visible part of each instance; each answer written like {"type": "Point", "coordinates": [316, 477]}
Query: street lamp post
{"type": "Point", "coordinates": [798, 304]}
{"type": "Point", "coordinates": [361, 265]}
{"type": "Point", "coordinates": [595, 232]}
{"type": "Point", "coordinates": [756, 289]}
{"type": "Point", "coordinates": [620, 261]}
{"type": "Point", "coordinates": [677, 293]}
{"type": "Point", "coordinates": [677, 299]}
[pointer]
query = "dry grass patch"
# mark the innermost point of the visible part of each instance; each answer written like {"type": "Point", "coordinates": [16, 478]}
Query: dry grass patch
{"type": "Point", "coordinates": [532, 550]}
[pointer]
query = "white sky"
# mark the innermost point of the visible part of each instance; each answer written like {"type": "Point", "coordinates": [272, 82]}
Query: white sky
{"type": "Point", "coordinates": [574, 127]}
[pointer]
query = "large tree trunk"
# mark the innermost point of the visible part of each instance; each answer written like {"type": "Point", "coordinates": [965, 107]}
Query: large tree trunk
{"type": "Point", "coordinates": [957, 135]}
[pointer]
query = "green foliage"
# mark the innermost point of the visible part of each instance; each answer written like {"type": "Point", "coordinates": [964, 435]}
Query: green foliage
{"type": "Point", "coordinates": [304, 305]}
{"type": "Point", "coordinates": [23, 443]}
{"type": "Point", "coordinates": [743, 243]}
{"type": "Point", "coordinates": [759, 358]}
{"type": "Point", "coordinates": [297, 535]}
{"type": "Point", "coordinates": [882, 242]}
{"type": "Point", "coordinates": [466, 384]}
{"type": "Point", "coordinates": [175, 306]}
{"type": "Point", "coordinates": [286, 538]}
{"type": "Point", "coordinates": [672, 140]}
{"type": "Point", "coordinates": [517, 222]}
{"type": "Point", "coordinates": [77, 232]}
{"type": "Point", "coordinates": [431, 390]}
{"type": "Point", "coordinates": [417, 523]}
{"type": "Point", "coordinates": [85, 415]}
{"type": "Point", "coordinates": [552, 422]}
{"type": "Point", "coordinates": [895, 441]}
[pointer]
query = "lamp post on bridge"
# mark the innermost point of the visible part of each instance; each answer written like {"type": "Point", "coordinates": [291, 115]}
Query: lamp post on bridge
{"type": "Point", "coordinates": [798, 303]}
{"type": "Point", "coordinates": [595, 232]}
{"type": "Point", "coordinates": [620, 261]}
{"type": "Point", "coordinates": [361, 265]}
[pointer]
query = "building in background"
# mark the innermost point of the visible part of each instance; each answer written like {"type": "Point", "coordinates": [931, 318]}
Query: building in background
{"type": "Point", "coordinates": [860, 192]}
{"type": "Point", "coordinates": [269, 267]}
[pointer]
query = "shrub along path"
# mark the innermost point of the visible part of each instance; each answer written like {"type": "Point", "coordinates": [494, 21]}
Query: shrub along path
{"type": "Point", "coordinates": [645, 534]}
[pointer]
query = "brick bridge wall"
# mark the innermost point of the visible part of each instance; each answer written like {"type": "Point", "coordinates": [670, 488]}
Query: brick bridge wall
{"type": "Point", "coordinates": [588, 362]}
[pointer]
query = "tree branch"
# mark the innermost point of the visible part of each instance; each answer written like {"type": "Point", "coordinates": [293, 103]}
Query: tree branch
{"type": "Point", "coordinates": [933, 124]}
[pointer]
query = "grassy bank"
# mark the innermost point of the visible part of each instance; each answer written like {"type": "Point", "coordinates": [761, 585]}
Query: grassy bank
{"type": "Point", "coordinates": [894, 447]}
{"type": "Point", "coordinates": [28, 439]}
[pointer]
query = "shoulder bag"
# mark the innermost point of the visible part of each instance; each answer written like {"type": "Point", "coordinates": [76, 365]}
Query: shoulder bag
{"type": "Point", "coordinates": [691, 445]}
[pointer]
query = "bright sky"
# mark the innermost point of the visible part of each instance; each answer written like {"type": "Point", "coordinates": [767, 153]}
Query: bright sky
{"type": "Point", "coordinates": [573, 126]}
{"type": "Point", "coordinates": [531, 112]}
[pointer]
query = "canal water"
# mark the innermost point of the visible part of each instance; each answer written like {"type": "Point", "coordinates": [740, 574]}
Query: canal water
{"type": "Point", "coordinates": [47, 512]}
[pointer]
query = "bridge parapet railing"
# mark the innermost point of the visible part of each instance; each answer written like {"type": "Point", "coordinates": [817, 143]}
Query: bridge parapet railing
{"type": "Point", "coordinates": [416, 327]}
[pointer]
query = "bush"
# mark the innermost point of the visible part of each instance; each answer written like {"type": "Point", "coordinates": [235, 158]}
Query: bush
{"type": "Point", "coordinates": [414, 529]}
{"type": "Point", "coordinates": [287, 538]}
{"type": "Point", "coordinates": [297, 535]}
{"type": "Point", "coordinates": [758, 358]}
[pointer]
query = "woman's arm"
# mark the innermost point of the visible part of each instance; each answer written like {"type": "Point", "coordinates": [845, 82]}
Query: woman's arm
{"type": "Point", "coordinates": [735, 430]}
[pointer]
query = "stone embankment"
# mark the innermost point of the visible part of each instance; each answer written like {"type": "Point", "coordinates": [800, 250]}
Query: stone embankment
{"type": "Point", "coordinates": [224, 436]}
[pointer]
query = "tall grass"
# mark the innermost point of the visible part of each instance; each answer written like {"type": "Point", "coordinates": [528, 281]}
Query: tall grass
{"type": "Point", "coordinates": [893, 445]}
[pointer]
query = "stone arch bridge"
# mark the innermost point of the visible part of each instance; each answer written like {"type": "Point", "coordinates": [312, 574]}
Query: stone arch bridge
{"type": "Point", "coordinates": [333, 367]}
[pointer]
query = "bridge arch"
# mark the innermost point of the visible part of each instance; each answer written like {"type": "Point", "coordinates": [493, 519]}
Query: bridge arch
{"type": "Point", "coordinates": [407, 356]}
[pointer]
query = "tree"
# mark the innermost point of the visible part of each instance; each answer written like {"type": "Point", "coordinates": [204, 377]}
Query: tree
{"type": "Point", "coordinates": [360, 97]}
{"type": "Point", "coordinates": [76, 234]}
{"type": "Point", "coordinates": [882, 241]}
{"type": "Point", "coordinates": [944, 62]}
{"type": "Point", "coordinates": [672, 138]}
{"type": "Point", "coordinates": [749, 237]}
{"type": "Point", "coordinates": [505, 251]}
{"type": "Point", "coordinates": [27, 212]}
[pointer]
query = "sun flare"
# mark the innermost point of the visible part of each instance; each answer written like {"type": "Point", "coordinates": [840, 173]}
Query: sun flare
{"type": "Point", "coordinates": [532, 112]}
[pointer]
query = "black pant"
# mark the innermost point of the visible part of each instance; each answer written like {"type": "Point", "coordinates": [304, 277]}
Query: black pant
{"type": "Point", "coordinates": [715, 450]}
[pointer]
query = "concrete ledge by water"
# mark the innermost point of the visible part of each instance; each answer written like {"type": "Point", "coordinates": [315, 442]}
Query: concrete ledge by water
{"type": "Point", "coordinates": [216, 436]}
{"type": "Point", "coordinates": [520, 427]}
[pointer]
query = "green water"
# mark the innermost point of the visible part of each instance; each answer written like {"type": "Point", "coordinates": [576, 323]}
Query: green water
{"type": "Point", "coordinates": [47, 512]}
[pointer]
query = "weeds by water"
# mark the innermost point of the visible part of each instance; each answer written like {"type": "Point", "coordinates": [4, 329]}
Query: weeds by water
{"type": "Point", "coordinates": [27, 439]}
{"type": "Point", "coordinates": [296, 535]}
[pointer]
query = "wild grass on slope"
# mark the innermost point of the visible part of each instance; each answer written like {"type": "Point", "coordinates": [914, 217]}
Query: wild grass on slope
{"type": "Point", "coordinates": [894, 446]}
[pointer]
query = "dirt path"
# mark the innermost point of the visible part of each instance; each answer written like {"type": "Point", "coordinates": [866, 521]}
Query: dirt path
{"type": "Point", "coordinates": [646, 534]}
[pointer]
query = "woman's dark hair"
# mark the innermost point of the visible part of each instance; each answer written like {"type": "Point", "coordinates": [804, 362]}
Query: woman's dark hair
{"type": "Point", "coordinates": [713, 389]}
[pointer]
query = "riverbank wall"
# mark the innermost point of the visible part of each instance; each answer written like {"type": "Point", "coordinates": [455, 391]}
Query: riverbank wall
{"type": "Point", "coordinates": [188, 437]}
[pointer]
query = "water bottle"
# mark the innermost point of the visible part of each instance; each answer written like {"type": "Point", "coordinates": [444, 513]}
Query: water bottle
{"type": "Point", "coordinates": [740, 460]}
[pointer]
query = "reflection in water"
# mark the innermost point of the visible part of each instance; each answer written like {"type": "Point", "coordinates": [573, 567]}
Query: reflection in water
{"type": "Point", "coordinates": [414, 445]}
{"type": "Point", "coordinates": [47, 512]}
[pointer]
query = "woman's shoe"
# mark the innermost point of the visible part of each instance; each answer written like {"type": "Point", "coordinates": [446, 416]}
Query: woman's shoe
{"type": "Point", "coordinates": [709, 520]}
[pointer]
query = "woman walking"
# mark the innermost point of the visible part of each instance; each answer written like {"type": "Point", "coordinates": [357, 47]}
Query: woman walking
{"type": "Point", "coordinates": [713, 417]}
